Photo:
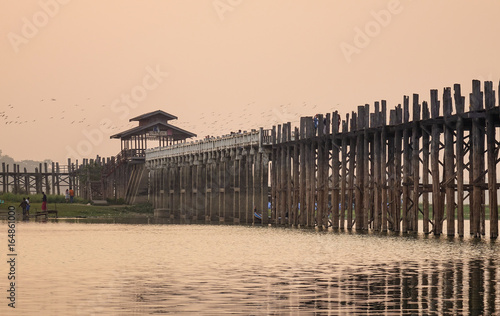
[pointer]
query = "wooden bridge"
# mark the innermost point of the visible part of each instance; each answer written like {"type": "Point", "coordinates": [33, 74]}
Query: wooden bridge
{"type": "Point", "coordinates": [373, 169]}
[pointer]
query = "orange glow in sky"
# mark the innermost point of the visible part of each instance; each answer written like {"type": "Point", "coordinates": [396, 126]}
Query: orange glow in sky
{"type": "Point", "coordinates": [74, 72]}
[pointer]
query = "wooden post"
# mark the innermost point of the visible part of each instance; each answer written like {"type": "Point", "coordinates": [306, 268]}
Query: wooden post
{"type": "Point", "coordinates": [425, 169]}
{"type": "Point", "coordinates": [352, 166]}
{"type": "Point", "coordinates": [274, 176]}
{"type": "Point", "coordinates": [70, 178]}
{"type": "Point", "coordinates": [58, 179]}
{"type": "Point", "coordinates": [303, 177]}
{"type": "Point", "coordinates": [53, 174]}
{"type": "Point", "coordinates": [296, 180]}
{"type": "Point", "coordinates": [360, 155]}
{"type": "Point", "coordinates": [4, 179]}
{"type": "Point", "coordinates": [436, 207]}
{"type": "Point", "coordinates": [377, 178]}
{"type": "Point", "coordinates": [383, 166]}
{"type": "Point", "coordinates": [459, 107]}
{"type": "Point", "coordinates": [415, 163]}
{"type": "Point", "coordinates": [289, 188]}
{"type": "Point", "coordinates": [335, 172]}
{"type": "Point", "coordinates": [321, 191]}
{"type": "Point", "coordinates": [366, 168]}
{"type": "Point", "coordinates": [476, 98]}
{"type": "Point", "coordinates": [257, 187]}
{"type": "Point", "coordinates": [281, 171]}
{"type": "Point", "coordinates": [15, 179]}
{"type": "Point", "coordinates": [310, 172]}
{"type": "Point", "coordinates": [343, 188]}
{"type": "Point", "coordinates": [250, 184]}
{"type": "Point", "coordinates": [264, 184]}
{"type": "Point", "coordinates": [449, 172]}
{"type": "Point", "coordinates": [241, 208]}
{"type": "Point", "coordinates": [407, 152]}
{"type": "Point", "coordinates": [492, 157]}
{"type": "Point", "coordinates": [397, 191]}
{"type": "Point", "coordinates": [26, 182]}
{"type": "Point", "coordinates": [47, 184]}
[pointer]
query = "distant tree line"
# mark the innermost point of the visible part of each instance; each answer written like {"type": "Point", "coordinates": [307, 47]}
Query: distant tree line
{"type": "Point", "coordinates": [30, 165]}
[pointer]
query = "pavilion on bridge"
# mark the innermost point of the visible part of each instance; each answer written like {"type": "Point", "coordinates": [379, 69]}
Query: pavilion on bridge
{"type": "Point", "coordinates": [153, 131]}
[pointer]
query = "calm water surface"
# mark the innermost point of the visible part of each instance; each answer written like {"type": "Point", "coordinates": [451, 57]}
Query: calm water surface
{"type": "Point", "coordinates": [81, 268]}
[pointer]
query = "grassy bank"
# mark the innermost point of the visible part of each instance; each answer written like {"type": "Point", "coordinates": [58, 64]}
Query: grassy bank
{"type": "Point", "coordinates": [81, 207]}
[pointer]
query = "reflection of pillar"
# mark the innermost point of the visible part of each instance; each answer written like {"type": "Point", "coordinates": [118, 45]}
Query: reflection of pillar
{"type": "Point", "coordinates": [459, 292]}
{"type": "Point", "coordinates": [476, 288]}
{"type": "Point", "coordinates": [492, 291]}
{"type": "Point", "coordinates": [448, 288]}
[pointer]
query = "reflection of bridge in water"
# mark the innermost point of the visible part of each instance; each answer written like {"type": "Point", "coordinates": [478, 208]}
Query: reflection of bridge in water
{"type": "Point", "coordinates": [382, 176]}
{"type": "Point", "coordinates": [455, 287]}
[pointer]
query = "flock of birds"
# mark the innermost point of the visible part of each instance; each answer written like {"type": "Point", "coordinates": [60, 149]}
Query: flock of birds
{"type": "Point", "coordinates": [246, 118]}
{"type": "Point", "coordinates": [9, 118]}
{"type": "Point", "coordinates": [216, 123]}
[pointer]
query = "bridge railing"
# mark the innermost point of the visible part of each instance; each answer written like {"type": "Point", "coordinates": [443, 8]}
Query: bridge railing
{"type": "Point", "coordinates": [252, 138]}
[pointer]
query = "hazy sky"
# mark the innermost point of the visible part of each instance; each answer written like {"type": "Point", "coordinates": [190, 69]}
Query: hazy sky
{"type": "Point", "coordinates": [74, 72]}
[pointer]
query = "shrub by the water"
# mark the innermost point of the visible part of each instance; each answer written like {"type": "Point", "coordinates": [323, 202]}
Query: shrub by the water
{"type": "Point", "coordinates": [37, 198]}
{"type": "Point", "coordinates": [143, 208]}
{"type": "Point", "coordinates": [119, 201]}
